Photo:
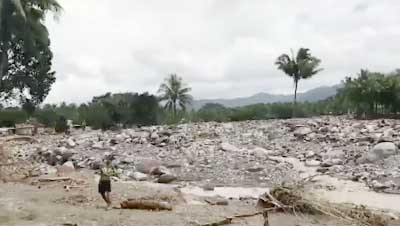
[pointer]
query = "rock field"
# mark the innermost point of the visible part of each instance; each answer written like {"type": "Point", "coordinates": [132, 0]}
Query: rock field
{"type": "Point", "coordinates": [230, 154]}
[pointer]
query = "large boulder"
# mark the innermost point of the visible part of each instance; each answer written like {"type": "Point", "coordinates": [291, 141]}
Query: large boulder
{"type": "Point", "coordinates": [148, 165]}
{"type": "Point", "coordinates": [379, 152]}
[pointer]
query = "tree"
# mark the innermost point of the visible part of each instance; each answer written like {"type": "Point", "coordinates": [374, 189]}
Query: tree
{"type": "Point", "coordinates": [303, 66]}
{"type": "Point", "coordinates": [22, 32]}
{"type": "Point", "coordinates": [175, 93]}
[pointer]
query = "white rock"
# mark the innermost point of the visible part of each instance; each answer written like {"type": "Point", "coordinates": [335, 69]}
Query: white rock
{"type": "Point", "coordinates": [312, 163]}
{"type": "Point", "coordinates": [139, 176]}
{"type": "Point", "coordinates": [229, 147]}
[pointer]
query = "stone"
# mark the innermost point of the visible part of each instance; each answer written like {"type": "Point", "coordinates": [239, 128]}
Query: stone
{"type": "Point", "coordinates": [147, 165]}
{"type": "Point", "coordinates": [66, 168]}
{"type": "Point", "coordinates": [313, 163]}
{"type": "Point", "coordinates": [220, 201]}
{"type": "Point", "coordinates": [154, 136]}
{"type": "Point", "coordinates": [302, 131]}
{"type": "Point", "coordinates": [71, 143]}
{"type": "Point", "coordinates": [229, 147]}
{"type": "Point", "coordinates": [255, 169]}
{"type": "Point", "coordinates": [139, 176]}
{"type": "Point", "coordinates": [166, 178]}
{"type": "Point", "coordinates": [379, 152]}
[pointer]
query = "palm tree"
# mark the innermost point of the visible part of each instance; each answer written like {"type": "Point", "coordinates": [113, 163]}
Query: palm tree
{"type": "Point", "coordinates": [302, 66]}
{"type": "Point", "coordinates": [23, 20]}
{"type": "Point", "coordinates": [175, 93]}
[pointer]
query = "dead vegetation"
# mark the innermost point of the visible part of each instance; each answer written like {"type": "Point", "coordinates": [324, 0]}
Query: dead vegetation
{"type": "Point", "coordinates": [294, 200]}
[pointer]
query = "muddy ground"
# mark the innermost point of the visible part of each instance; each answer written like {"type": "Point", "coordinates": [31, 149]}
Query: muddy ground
{"type": "Point", "coordinates": [51, 203]}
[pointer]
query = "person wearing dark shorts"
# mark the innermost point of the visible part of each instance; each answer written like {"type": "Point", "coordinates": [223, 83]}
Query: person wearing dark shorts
{"type": "Point", "coordinates": [106, 171]}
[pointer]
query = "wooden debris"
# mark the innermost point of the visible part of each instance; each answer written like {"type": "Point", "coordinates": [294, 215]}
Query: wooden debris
{"type": "Point", "coordinates": [53, 179]}
{"type": "Point", "coordinates": [145, 204]}
{"type": "Point", "coordinates": [218, 223]}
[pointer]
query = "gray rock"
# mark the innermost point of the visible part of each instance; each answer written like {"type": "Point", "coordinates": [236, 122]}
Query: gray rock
{"type": "Point", "coordinates": [229, 147]}
{"type": "Point", "coordinates": [302, 131]}
{"type": "Point", "coordinates": [379, 152]}
{"type": "Point", "coordinates": [313, 163]}
{"type": "Point", "coordinates": [166, 178]}
{"type": "Point", "coordinates": [139, 176]}
{"type": "Point", "coordinates": [147, 165]}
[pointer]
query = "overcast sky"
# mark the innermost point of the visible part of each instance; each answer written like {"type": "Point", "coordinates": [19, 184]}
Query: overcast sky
{"type": "Point", "coordinates": [221, 48]}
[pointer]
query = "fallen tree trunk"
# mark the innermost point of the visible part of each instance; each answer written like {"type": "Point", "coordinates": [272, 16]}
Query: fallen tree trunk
{"type": "Point", "coordinates": [54, 179]}
{"type": "Point", "coordinates": [145, 205]}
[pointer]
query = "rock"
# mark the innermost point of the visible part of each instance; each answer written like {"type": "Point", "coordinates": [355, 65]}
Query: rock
{"type": "Point", "coordinates": [260, 152]}
{"type": "Point", "coordinates": [71, 143]}
{"type": "Point", "coordinates": [312, 163]}
{"type": "Point", "coordinates": [302, 132]}
{"type": "Point", "coordinates": [166, 178]}
{"type": "Point", "coordinates": [154, 136]}
{"type": "Point", "coordinates": [66, 168]}
{"type": "Point", "coordinates": [147, 165]}
{"type": "Point", "coordinates": [220, 201]}
{"type": "Point", "coordinates": [255, 169]}
{"type": "Point", "coordinates": [229, 147]}
{"type": "Point", "coordinates": [334, 154]}
{"type": "Point", "coordinates": [139, 176]}
{"type": "Point", "coordinates": [379, 152]}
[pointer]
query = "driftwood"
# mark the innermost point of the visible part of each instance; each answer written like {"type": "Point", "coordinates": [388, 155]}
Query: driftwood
{"type": "Point", "coordinates": [52, 179]}
{"type": "Point", "coordinates": [145, 205]}
{"type": "Point", "coordinates": [22, 138]}
{"type": "Point", "coordinates": [218, 223]}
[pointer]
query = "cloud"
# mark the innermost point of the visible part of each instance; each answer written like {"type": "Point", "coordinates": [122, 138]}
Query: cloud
{"type": "Point", "coordinates": [221, 48]}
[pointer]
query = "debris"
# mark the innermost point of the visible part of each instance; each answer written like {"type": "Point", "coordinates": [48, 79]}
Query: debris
{"type": "Point", "coordinates": [145, 204]}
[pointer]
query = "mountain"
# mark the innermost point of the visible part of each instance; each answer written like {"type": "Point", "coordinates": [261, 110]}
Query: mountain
{"type": "Point", "coordinates": [320, 93]}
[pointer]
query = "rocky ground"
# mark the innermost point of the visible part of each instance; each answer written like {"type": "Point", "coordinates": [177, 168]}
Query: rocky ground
{"type": "Point", "coordinates": [212, 155]}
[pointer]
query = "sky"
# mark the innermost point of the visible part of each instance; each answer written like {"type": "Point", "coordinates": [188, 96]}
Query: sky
{"type": "Point", "coordinates": [221, 48]}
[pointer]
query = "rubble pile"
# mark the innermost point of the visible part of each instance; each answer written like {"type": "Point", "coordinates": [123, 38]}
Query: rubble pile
{"type": "Point", "coordinates": [229, 154]}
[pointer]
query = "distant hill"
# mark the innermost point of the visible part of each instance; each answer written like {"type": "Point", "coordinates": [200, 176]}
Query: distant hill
{"type": "Point", "coordinates": [320, 93]}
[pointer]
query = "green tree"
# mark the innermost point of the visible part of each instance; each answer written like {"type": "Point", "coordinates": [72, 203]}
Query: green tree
{"type": "Point", "coordinates": [175, 94]}
{"type": "Point", "coordinates": [22, 31]}
{"type": "Point", "coordinates": [303, 66]}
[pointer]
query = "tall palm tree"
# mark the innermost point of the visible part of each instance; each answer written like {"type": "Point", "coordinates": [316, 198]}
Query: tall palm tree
{"type": "Point", "coordinates": [303, 66]}
{"type": "Point", "coordinates": [175, 93]}
{"type": "Point", "coordinates": [23, 20]}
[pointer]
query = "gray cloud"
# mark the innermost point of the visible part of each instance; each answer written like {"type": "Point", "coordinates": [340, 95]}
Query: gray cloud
{"type": "Point", "coordinates": [222, 48]}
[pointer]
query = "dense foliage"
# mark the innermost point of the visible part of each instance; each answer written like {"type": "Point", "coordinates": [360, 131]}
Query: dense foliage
{"type": "Point", "coordinates": [25, 55]}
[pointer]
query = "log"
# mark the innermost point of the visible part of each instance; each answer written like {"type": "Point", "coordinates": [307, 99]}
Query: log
{"type": "Point", "coordinates": [218, 223]}
{"type": "Point", "coordinates": [52, 179]}
{"type": "Point", "coordinates": [145, 205]}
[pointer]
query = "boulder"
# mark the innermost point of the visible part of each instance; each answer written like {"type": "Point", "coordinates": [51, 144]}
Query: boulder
{"type": "Point", "coordinates": [66, 168]}
{"type": "Point", "coordinates": [71, 143]}
{"type": "Point", "coordinates": [229, 147]}
{"type": "Point", "coordinates": [302, 131]}
{"type": "Point", "coordinates": [139, 176]}
{"type": "Point", "coordinates": [313, 163]}
{"type": "Point", "coordinates": [379, 152]}
{"type": "Point", "coordinates": [166, 178]}
{"type": "Point", "coordinates": [147, 165]}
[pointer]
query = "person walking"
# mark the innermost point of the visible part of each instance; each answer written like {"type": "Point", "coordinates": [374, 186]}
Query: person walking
{"type": "Point", "coordinates": [106, 171]}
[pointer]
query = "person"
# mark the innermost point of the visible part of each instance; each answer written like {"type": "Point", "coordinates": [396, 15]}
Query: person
{"type": "Point", "coordinates": [106, 171]}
